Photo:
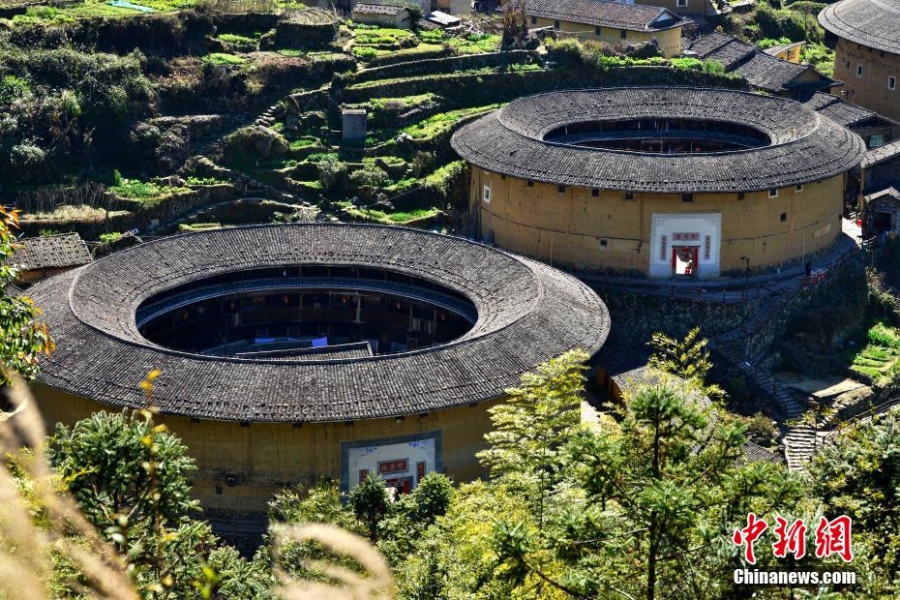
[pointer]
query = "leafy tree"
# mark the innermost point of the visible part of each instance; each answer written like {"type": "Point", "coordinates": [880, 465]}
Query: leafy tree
{"type": "Point", "coordinates": [412, 514]}
{"type": "Point", "coordinates": [371, 502]}
{"type": "Point", "coordinates": [129, 477]}
{"type": "Point", "coordinates": [859, 476]}
{"type": "Point", "coordinates": [687, 358]}
{"type": "Point", "coordinates": [22, 338]}
{"type": "Point", "coordinates": [659, 495]}
{"type": "Point", "coordinates": [532, 426]}
{"type": "Point", "coordinates": [332, 173]}
{"type": "Point", "coordinates": [515, 25]}
{"type": "Point", "coordinates": [454, 558]}
{"type": "Point", "coordinates": [124, 465]}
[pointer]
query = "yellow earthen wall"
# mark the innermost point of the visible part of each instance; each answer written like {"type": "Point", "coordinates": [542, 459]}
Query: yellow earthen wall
{"type": "Point", "coordinates": [565, 228]}
{"type": "Point", "coordinates": [266, 457]}
{"type": "Point", "coordinates": [871, 90]}
{"type": "Point", "coordinates": [669, 40]}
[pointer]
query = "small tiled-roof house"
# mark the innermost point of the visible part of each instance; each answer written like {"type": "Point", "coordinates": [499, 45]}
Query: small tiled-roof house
{"type": "Point", "coordinates": [612, 22]}
{"type": "Point", "coordinates": [382, 14]}
{"type": "Point", "coordinates": [40, 257]}
{"type": "Point", "coordinates": [764, 72]}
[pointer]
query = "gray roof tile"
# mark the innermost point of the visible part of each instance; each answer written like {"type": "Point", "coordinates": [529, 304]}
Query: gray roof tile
{"type": "Point", "coordinates": [805, 147]}
{"type": "Point", "coordinates": [605, 13]}
{"type": "Point", "coordinates": [871, 23]}
{"type": "Point", "coordinates": [528, 312]}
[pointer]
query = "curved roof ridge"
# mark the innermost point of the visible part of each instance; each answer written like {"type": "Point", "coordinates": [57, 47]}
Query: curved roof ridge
{"type": "Point", "coordinates": [527, 313]}
{"type": "Point", "coordinates": [871, 23]}
{"type": "Point", "coordinates": [804, 145]}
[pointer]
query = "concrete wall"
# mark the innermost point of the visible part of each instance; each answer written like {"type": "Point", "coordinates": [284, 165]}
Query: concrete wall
{"type": "Point", "coordinates": [871, 88]}
{"type": "Point", "coordinates": [263, 458]}
{"type": "Point", "coordinates": [669, 40]}
{"type": "Point", "coordinates": [608, 232]}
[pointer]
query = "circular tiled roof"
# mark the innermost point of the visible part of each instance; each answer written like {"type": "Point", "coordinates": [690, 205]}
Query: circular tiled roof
{"type": "Point", "coordinates": [871, 23]}
{"type": "Point", "coordinates": [527, 313]}
{"type": "Point", "coordinates": [805, 146]}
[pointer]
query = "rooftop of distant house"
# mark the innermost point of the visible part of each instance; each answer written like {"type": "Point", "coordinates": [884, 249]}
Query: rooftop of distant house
{"type": "Point", "coordinates": [761, 70]}
{"type": "Point", "coordinates": [51, 252]}
{"type": "Point", "coordinates": [604, 13]}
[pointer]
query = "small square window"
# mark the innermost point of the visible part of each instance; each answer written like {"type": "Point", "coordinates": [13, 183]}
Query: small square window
{"type": "Point", "coordinates": [892, 83]}
{"type": "Point", "coordinates": [555, 24]}
{"type": "Point", "coordinates": [598, 30]}
{"type": "Point", "coordinates": [530, 183]}
{"type": "Point", "coordinates": [629, 195]}
{"type": "Point", "coordinates": [624, 34]}
{"type": "Point", "coordinates": [604, 244]}
{"type": "Point", "coordinates": [859, 70]}
{"type": "Point", "coordinates": [798, 188]}
{"type": "Point", "coordinates": [783, 217]}
{"type": "Point", "coordinates": [687, 197]}
{"type": "Point", "coordinates": [773, 193]}
{"type": "Point", "coordinates": [595, 193]}
{"type": "Point", "coordinates": [741, 195]}
{"type": "Point", "coordinates": [561, 189]}
{"type": "Point", "coordinates": [486, 196]}
{"type": "Point", "coordinates": [503, 177]}
{"type": "Point", "coordinates": [681, 3]}
{"type": "Point", "coordinates": [534, 20]}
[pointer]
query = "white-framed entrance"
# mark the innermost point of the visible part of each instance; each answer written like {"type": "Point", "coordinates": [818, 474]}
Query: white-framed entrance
{"type": "Point", "coordinates": [685, 245]}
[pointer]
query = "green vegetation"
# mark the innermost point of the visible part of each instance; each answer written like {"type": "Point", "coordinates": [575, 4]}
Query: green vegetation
{"type": "Point", "coordinates": [23, 338]}
{"type": "Point", "coordinates": [138, 189]}
{"type": "Point", "coordinates": [111, 238]}
{"type": "Point", "coordinates": [878, 357]}
{"type": "Point", "coordinates": [819, 56]}
{"type": "Point", "coordinates": [221, 58]}
{"type": "Point", "coordinates": [443, 122]}
{"type": "Point", "coordinates": [475, 43]}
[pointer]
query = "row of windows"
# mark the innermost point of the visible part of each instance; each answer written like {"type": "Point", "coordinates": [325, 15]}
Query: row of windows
{"type": "Point", "coordinates": [891, 82]}
{"type": "Point", "coordinates": [773, 193]}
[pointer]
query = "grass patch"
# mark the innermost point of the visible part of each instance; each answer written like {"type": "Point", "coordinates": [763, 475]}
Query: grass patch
{"type": "Point", "coordinates": [475, 43]}
{"type": "Point", "coordinates": [222, 58]}
{"type": "Point", "coordinates": [394, 218]}
{"type": "Point", "coordinates": [878, 359]}
{"type": "Point", "coordinates": [143, 190]}
{"type": "Point", "coordinates": [441, 122]}
{"type": "Point", "coordinates": [303, 143]}
{"type": "Point", "coordinates": [89, 9]}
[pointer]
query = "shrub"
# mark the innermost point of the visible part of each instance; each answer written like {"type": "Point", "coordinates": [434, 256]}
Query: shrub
{"type": "Point", "coordinates": [331, 172]}
{"type": "Point", "coordinates": [369, 176]}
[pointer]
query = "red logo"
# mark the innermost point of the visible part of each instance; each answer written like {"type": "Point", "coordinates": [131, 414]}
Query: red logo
{"type": "Point", "coordinates": [831, 537]}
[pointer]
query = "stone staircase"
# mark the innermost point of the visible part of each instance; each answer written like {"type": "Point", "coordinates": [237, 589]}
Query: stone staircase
{"type": "Point", "coordinates": [799, 440]}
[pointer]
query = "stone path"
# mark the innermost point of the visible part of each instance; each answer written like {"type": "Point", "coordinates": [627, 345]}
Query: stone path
{"type": "Point", "coordinates": [800, 440]}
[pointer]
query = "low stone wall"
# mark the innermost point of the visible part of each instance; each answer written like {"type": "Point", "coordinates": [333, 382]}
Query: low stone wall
{"type": "Point", "coordinates": [435, 66]}
{"type": "Point", "coordinates": [292, 34]}
{"type": "Point", "coordinates": [636, 316]}
{"type": "Point", "coordinates": [125, 213]}
{"type": "Point", "coordinates": [486, 88]}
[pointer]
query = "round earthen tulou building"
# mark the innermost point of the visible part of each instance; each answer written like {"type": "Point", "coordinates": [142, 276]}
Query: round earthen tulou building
{"type": "Point", "coordinates": [658, 182]}
{"type": "Point", "coordinates": [867, 52]}
{"type": "Point", "coordinates": [296, 352]}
